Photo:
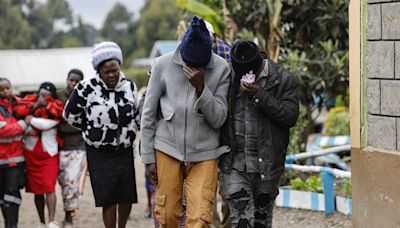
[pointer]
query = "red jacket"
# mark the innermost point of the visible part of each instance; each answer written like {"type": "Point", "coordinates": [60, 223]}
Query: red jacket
{"type": "Point", "coordinates": [53, 110]}
{"type": "Point", "coordinates": [11, 134]}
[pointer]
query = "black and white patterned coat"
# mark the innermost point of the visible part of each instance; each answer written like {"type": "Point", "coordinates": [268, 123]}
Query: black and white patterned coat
{"type": "Point", "coordinates": [106, 116]}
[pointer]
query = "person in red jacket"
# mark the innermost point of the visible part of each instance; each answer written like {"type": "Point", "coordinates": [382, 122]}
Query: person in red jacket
{"type": "Point", "coordinates": [11, 156]}
{"type": "Point", "coordinates": [41, 147]}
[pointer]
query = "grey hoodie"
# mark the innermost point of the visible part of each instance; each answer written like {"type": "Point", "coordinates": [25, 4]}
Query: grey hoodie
{"type": "Point", "coordinates": [189, 131]}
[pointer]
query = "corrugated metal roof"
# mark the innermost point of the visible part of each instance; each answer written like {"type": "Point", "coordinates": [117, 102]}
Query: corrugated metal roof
{"type": "Point", "coordinates": [29, 68]}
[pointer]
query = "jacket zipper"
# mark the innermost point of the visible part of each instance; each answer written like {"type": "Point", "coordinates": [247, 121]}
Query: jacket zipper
{"type": "Point", "coordinates": [186, 111]}
{"type": "Point", "coordinates": [232, 110]}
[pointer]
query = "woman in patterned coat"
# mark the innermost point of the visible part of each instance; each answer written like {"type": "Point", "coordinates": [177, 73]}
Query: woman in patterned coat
{"type": "Point", "coordinates": [105, 109]}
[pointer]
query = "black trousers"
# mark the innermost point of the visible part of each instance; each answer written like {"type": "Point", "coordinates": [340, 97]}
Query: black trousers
{"type": "Point", "coordinates": [11, 180]}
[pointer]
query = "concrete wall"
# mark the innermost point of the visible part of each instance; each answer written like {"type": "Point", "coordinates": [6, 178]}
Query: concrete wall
{"type": "Point", "coordinates": [383, 74]}
{"type": "Point", "coordinates": [376, 168]}
{"type": "Point", "coordinates": [376, 198]}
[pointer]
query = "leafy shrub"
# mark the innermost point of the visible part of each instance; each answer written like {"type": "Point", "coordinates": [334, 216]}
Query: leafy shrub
{"type": "Point", "coordinates": [345, 188]}
{"type": "Point", "coordinates": [312, 184]}
{"type": "Point", "coordinates": [296, 133]}
{"type": "Point", "coordinates": [337, 122]}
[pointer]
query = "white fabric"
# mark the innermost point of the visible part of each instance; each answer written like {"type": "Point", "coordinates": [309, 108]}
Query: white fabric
{"type": "Point", "coordinates": [209, 27]}
{"type": "Point", "coordinates": [48, 135]}
{"type": "Point", "coordinates": [30, 141]}
{"type": "Point", "coordinates": [43, 124]}
{"type": "Point", "coordinates": [22, 124]}
{"type": "Point", "coordinates": [49, 141]}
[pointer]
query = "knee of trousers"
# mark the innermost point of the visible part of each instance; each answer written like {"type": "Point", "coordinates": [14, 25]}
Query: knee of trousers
{"type": "Point", "coordinates": [12, 199]}
{"type": "Point", "coordinates": [12, 194]}
{"type": "Point", "coordinates": [164, 211]}
{"type": "Point", "coordinates": [206, 205]}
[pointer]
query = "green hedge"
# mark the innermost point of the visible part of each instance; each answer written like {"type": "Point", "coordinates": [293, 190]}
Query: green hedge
{"type": "Point", "coordinates": [137, 75]}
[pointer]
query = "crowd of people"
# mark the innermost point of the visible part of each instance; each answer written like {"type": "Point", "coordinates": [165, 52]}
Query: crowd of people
{"type": "Point", "coordinates": [214, 116]}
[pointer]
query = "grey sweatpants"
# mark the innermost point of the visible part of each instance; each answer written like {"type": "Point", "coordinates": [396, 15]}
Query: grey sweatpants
{"type": "Point", "coordinates": [250, 199]}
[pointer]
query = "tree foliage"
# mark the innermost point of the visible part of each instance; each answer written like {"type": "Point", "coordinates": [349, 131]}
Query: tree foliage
{"type": "Point", "coordinates": [39, 19]}
{"type": "Point", "coordinates": [209, 13]}
{"type": "Point", "coordinates": [315, 49]}
{"type": "Point", "coordinates": [41, 24]}
{"type": "Point", "coordinates": [119, 27]}
{"type": "Point", "coordinates": [15, 31]}
{"type": "Point", "coordinates": [158, 21]}
{"type": "Point", "coordinates": [51, 24]}
{"type": "Point", "coordinates": [309, 37]}
{"type": "Point", "coordinates": [59, 10]}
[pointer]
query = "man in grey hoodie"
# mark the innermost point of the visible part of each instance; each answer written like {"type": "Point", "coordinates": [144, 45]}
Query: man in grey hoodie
{"type": "Point", "coordinates": [190, 86]}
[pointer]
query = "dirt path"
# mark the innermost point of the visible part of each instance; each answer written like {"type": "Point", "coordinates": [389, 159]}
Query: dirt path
{"type": "Point", "coordinates": [90, 217]}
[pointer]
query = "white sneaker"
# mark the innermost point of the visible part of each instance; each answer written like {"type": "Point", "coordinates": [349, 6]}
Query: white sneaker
{"type": "Point", "coordinates": [41, 225]}
{"type": "Point", "coordinates": [52, 225]}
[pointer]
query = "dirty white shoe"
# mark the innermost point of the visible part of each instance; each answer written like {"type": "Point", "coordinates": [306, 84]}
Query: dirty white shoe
{"type": "Point", "coordinates": [41, 225]}
{"type": "Point", "coordinates": [52, 225]}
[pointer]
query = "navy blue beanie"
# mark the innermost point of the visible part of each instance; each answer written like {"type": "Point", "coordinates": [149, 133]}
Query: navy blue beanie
{"type": "Point", "coordinates": [196, 44]}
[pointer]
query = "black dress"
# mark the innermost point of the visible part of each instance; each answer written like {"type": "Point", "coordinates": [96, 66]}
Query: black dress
{"type": "Point", "coordinates": [112, 175]}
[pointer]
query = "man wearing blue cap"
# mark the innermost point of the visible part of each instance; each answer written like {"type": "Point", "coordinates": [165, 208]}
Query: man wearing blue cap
{"type": "Point", "coordinates": [190, 86]}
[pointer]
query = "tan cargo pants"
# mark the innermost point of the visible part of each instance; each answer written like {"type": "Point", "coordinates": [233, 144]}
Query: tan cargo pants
{"type": "Point", "coordinates": [201, 183]}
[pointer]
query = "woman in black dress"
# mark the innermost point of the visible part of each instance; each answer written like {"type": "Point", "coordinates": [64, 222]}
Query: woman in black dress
{"type": "Point", "coordinates": [105, 109]}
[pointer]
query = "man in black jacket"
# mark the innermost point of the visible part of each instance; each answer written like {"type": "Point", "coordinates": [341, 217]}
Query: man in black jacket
{"type": "Point", "coordinates": [263, 106]}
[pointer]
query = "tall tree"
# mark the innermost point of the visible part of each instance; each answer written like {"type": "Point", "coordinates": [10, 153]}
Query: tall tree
{"type": "Point", "coordinates": [41, 24]}
{"type": "Point", "coordinates": [59, 9]}
{"type": "Point", "coordinates": [14, 29]}
{"type": "Point", "coordinates": [86, 34]}
{"type": "Point", "coordinates": [158, 21]}
{"type": "Point", "coordinates": [118, 27]}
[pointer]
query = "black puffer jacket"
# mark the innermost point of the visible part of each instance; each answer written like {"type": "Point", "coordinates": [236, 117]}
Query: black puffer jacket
{"type": "Point", "coordinates": [278, 106]}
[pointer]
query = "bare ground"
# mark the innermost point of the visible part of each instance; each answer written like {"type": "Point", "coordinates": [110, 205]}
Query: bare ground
{"type": "Point", "coordinates": [90, 217]}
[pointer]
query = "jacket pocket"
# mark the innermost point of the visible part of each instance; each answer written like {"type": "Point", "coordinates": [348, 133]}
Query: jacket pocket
{"type": "Point", "coordinates": [206, 137]}
{"type": "Point", "coordinates": [208, 196]}
{"type": "Point", "coordinates": [207, 206]}
{"type": "Point", "coordinates": [165, 127]}
{"type": "Point", "coordinates": [159, 210]}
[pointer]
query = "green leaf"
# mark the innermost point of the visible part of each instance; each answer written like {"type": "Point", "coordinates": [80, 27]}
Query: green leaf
{"type": "Point", "coordinates": [203, 11]}
{"type": "Point", "coordinates": [346, 187]}
{"type": "Point", "coordinates": [313, 184]}
{"type": "Point", "coordinates": [298, 184]}
{"type": "Point", "coordinates": [195, 7]}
